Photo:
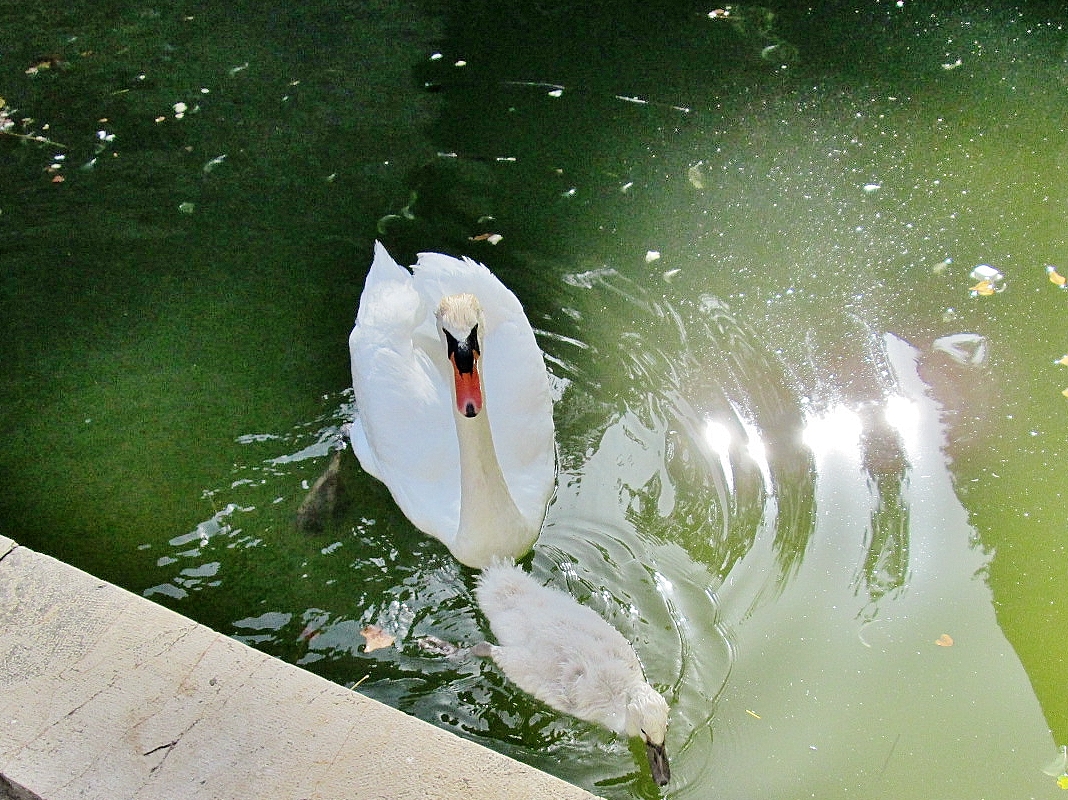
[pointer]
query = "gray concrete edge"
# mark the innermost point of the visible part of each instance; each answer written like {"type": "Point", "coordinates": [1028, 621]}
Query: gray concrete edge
{"type": "Point", "coordinates": [104, 694]}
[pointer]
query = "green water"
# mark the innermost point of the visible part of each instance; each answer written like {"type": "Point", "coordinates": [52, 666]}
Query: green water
{"type": "Point", "coordinates": [818, 182]}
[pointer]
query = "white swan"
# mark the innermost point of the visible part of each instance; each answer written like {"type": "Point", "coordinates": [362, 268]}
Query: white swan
{"type": "Point", "coordinates": [453, 413]}
{"type": "Point", "coordinates": [566, 655]}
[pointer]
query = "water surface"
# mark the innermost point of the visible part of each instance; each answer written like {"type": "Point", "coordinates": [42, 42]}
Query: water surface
{"type": "Point", "coordinates": [806, 465]}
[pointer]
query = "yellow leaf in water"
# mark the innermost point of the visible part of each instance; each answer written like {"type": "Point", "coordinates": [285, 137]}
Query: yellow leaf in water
{"type": "Point", "coordinates": [1064, 392]}
{"type": "Point", "coordinates": [1055, 277]}
{"type": "Point", "coordinates": [1063, 361]}
{"type": "Point", "coordinates": [945, 640]}
{"type": "Point", "coordinates": [376, 638]}
{"type": "Point", "coordinates": [983, 288]}
{"type": "Point", "coordinates": [1063, 781]}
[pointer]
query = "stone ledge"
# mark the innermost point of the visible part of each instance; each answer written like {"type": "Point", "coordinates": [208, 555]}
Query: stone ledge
{"type": "Point", "coordinates": [104, 694]}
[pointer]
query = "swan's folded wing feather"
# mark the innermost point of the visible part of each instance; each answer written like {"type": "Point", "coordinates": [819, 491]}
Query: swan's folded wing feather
{"type": "Point", "coordinates": [525, 437]}
{"type": "Point", "coordinates": [403, 433]}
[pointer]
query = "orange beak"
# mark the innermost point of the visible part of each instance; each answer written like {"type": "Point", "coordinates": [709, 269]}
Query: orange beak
{"type": "Point", "coordinates": [468, 388]}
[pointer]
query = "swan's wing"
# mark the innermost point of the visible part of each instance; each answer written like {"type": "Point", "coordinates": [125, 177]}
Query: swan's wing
{"type": "Point", "coordinates": [404, 433]}
{"type": "Point", "coordinates": [515, 380]}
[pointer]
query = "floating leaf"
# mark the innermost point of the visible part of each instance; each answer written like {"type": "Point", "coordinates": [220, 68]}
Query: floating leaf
{"type": "Point", "coordinates": [376, 638]}
{"type": "Point", "coordinates": [1055, 277]}
{"type": "Point", "coordinates": [990, 280]}
{"type": "Point", "coordinates": [1064, 392]}
{"type": "Point", "coordinates": [492, 238]}
{"type": "Point", "coordinates": [945, 640]}
{"type": "Point", "coordinates": [1063, 781]}
{"type": "Point", "coordinates": [1063, 361]}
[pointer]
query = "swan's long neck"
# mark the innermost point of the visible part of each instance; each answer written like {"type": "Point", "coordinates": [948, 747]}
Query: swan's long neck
{"type": "Point", "coordinates": [491, 525]}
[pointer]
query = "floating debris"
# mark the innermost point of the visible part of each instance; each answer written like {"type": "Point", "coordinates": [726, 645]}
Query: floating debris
{"type": "Point", "coordinates": [942, 266]}
{"type": "Point", "coordinates": [990, 281]}
{"type": "Point", "coordinates": [405, 214]}
{"type": "Point", "coordinates": [376, 638]}
{"type": "Point", "coordinates": [47, 62]}
{"type": "Point", "coordinates": [696, 176]}
{"type": "Point", "coordinates": [437, 646]}
{"type": "Point", "coordinates": [1055, 277]}
{"type": "Point", "coordinates": [213, 163]}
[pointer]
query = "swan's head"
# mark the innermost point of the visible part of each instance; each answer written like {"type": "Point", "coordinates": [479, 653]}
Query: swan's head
{"type": "Point", "coordinates": [647, 718]}
{"type": "Point", "coordinates": [461, 321]}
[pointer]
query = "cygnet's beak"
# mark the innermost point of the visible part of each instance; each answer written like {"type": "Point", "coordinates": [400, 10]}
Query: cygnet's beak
{"type": "Point", "coordinates": [658, 763]}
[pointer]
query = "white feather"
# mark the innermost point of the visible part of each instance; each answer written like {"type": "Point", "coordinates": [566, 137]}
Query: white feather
{"type": "Point", "coordinates": [405, 433]}
{"type": "Point", "coordinates": [569, 657]}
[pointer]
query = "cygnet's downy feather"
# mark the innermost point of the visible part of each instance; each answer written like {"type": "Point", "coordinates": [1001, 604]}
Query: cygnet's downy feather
{"type": "Point", "coordinates": [569, 657]}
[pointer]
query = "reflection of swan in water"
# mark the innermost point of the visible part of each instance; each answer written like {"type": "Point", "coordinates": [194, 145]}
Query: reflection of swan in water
{"type": "Point", "coordinates": [434, 352]}
{"type": "Point", "coordinates": [566, 655]}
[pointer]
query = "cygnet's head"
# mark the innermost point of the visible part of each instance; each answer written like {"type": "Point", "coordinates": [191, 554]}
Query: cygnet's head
{"type": "Point", "coordinates": [461, 321]}
{"type": "Point", "coordinates": [647, 718]}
